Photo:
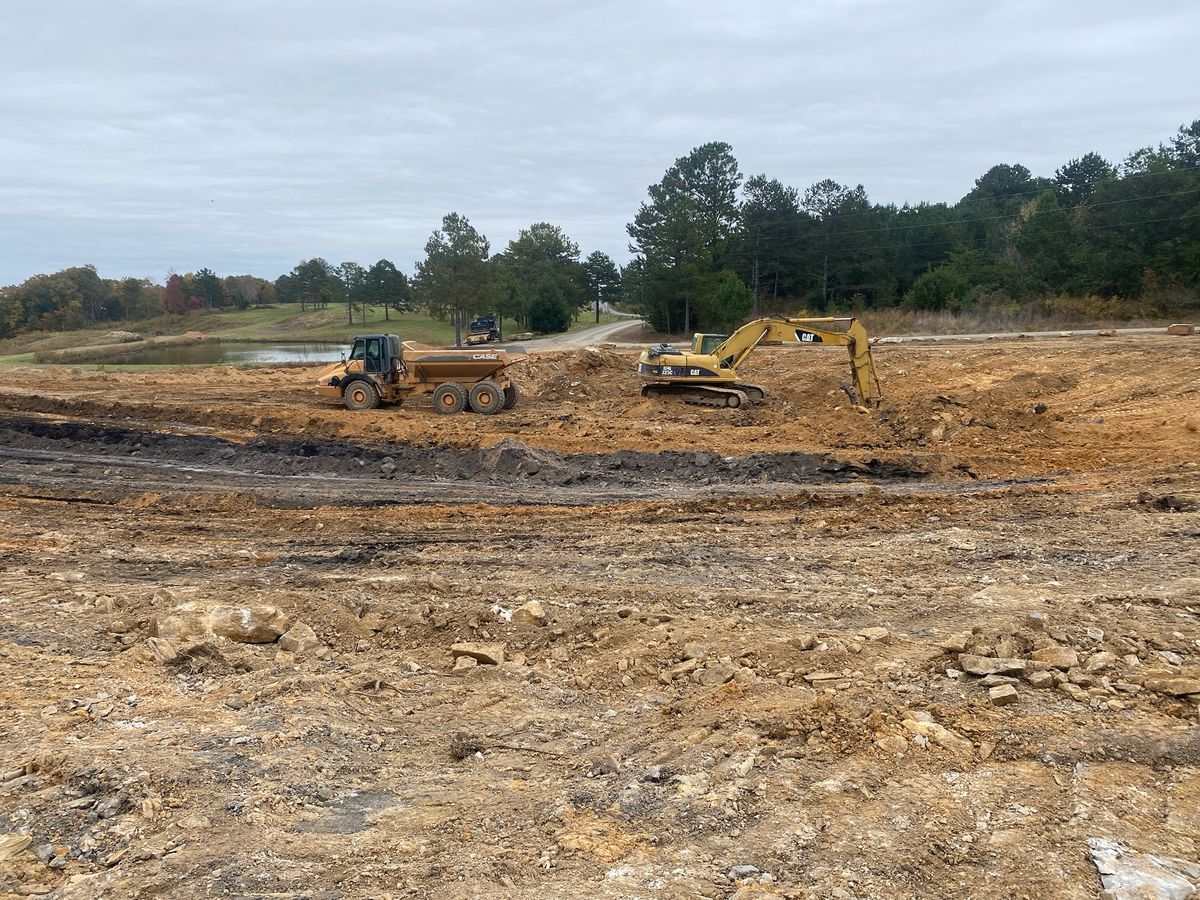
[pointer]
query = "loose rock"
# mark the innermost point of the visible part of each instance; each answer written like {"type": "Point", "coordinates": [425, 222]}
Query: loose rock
{"type": "Point", "coordinates": [1057, 655]}
{"type": "Point", "coordinates": [990, 681]}
{"type": "Point", "coordinates": [532, 613]}
{"type": "Point", "coordinates": [299, 639]}
{"type": "Point", "coordinates": [939, 734]}
{"type": "Point", "coordinates": [1176, 687]}
{"type": "Point", "coordinates": [1098, 662]}
{"type": "Point", "coordinates": [716, 674]}
{"type": "Point", "coordinates": [489, 654]}
{"type": "Point", "coordinates": [1003, 695]}
{"type": "Point", "coordinates": [1039, 679]}
{"type": "Point", "coordinates": [190, 622]}
{"type": "Point", "coordinates": [161, 650]}
{"type": "Point", "coordinates": [989, 665]}
{"type": "Point", "coordinates": [1126, 875]}
{"type": "Point", "coordinates": [12, 844]}
{"type": "Point", "coordinates": [892, 743]}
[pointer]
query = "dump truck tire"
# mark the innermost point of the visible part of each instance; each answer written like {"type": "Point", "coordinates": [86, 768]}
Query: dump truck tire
{"type": "Point", "coordinates": [360, 394]}
{"type": "Point", "coordinates": [486, 397]}
{"type": "Point", "coordinates": [449, 398]}
{"type": "Point", "coordinates": [511, 395]}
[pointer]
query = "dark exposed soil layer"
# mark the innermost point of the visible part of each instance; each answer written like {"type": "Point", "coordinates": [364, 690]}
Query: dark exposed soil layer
{"type": "Point", "coordinates": [509, 463]}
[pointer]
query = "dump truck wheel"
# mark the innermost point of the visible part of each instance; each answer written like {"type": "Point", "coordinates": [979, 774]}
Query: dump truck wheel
{"type": "Point", "coordinates": [449, 398]}
{"type": "Point", "coordinates": [511, 395]}
{"type": "Point", "coordinates": [360, 395]}
{"type": "Point", "coordinates": [486, 397]}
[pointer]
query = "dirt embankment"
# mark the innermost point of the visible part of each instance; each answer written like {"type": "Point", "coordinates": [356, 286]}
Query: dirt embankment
{"type": "Point", "coordinates": [1003, 411]}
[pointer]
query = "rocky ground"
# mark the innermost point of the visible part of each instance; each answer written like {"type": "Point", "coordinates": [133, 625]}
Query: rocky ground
{"type": "Point", "coordinates": [252, 645]}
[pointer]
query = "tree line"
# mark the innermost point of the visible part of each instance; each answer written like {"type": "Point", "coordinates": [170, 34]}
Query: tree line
{"type": "Point", "coordinates": [539, 280]}
{"type": "Point", "coordinates": [710, 248]}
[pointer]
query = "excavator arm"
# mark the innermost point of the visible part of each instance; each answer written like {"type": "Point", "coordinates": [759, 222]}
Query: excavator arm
{"type": "Point", "coordinates": [736, 348]}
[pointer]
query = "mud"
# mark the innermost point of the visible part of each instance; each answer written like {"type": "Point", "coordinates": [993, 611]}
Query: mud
{"type": "Point", "coordinates": [747, 683]}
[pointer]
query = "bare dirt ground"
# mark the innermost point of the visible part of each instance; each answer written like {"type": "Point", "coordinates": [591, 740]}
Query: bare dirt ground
{"type": "Point", "coordinates": [738, 647]}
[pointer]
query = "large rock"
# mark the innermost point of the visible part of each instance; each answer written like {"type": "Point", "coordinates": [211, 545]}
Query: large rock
{"type": "Point", "coordinates": [1129, 875]}
{"type": "Point", "coordinates": [490, 654]}
{"type": "Point", "coordinates": [1168, 684]}
{"type": "Point", "coordinates": [1056, 655]}
{"type": "Point", "coordinates": [989, 665]}
{"type": "Point", "coordinates": [191, 622]}
{"type": "Point", "coordinates": [248, 624]}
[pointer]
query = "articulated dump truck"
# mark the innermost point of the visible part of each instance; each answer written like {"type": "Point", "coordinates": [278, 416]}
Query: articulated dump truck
{"type": "Point", "coordinates": [383, 369]}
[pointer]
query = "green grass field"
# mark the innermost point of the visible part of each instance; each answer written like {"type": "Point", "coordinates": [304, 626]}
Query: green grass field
{"type": "Point", "coordinates": [268, 324]}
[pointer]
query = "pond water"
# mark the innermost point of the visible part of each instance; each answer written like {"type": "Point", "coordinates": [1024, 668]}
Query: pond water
{"type": "Point", "coordinates": [237, 354]}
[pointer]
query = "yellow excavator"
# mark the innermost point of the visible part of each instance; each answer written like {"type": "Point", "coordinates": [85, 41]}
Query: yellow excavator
{"type": "Point", "coordinates": [706, 374]}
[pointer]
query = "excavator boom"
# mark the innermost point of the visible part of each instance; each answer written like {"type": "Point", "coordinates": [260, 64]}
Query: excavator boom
{"type": "Point", "coordinates": [712, 378]}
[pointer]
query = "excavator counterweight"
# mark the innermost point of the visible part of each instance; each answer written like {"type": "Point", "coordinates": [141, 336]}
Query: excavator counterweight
{"type": "Point", "coordinates": [706, 373]}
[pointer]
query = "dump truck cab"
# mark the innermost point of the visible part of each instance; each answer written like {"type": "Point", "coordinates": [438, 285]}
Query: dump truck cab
{"type": "Point", "coordinates": [378, 354]}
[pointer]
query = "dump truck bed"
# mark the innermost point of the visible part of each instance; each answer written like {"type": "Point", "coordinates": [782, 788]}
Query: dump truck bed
{"type": "Point", "coordinates": [432, 364]}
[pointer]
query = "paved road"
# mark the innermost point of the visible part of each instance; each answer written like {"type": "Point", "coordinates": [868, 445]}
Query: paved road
{"type": "Point", "coordinates": [576, 339]}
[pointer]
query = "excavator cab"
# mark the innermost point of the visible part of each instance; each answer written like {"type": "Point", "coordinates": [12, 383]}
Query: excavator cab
{"type": "Point", "coordinates": [707, 343]}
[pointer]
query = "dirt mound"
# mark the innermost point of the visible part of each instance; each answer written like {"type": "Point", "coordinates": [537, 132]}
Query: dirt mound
{"type": "Point", "coordinates": [593, 373]}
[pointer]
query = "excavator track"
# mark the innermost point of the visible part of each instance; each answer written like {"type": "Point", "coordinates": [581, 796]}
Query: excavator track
{"type": "Point", "coordinates": [702, 394]}
{"type": "Point", "coordinates": [754, 392]}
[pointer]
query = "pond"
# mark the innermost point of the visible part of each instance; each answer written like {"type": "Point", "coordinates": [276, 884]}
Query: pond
{"type": "Point", "coordinates": [237, 354]}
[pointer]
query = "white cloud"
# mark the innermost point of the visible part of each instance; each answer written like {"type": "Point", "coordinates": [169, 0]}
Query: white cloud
{"type": "Point", "coordinates": [146, 136]}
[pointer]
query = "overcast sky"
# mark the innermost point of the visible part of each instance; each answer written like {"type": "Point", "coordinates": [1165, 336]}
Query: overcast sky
{"type": "Point", "coordinates": [244, 135]}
